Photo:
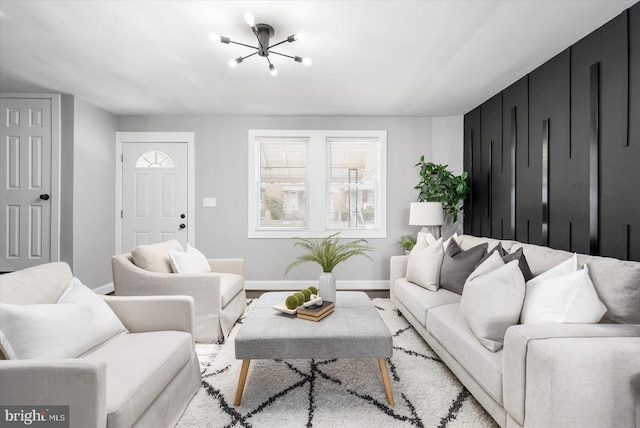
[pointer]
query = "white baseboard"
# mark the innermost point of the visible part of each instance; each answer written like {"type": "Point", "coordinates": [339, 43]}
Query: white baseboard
{"type": "Point", "coordinates": [298, 285]}
{"type": "Point", "coordinates": [104, 289]}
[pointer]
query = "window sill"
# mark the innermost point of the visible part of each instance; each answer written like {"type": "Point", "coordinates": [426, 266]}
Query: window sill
{"type": "Point", "coordinates": [288, 234]}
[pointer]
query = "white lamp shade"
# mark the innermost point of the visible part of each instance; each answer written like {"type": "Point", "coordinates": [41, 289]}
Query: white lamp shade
{"type": "Point", "coordinates": [426, 214]}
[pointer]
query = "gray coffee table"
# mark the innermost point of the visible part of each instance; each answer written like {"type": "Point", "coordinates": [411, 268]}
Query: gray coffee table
{"type": "Point", "coordinates": [353, 330]}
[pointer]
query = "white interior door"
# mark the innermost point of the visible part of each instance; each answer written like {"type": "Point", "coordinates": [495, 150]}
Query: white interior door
{"type": "Point", "coordinates": [25, 182]}
{"type": "Point", "coordinates": [154, 193]}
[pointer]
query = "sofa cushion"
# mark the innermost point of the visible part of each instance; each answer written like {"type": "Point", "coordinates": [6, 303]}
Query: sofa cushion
{"type": "Point", "coordinates": [155, 257]}
{"type": "Point", "coordinates": [423, 267]}
{"type": "Point", "coordinates": [189, 261]}
{"type": "Point", "coordinates": [457, 265]}
{"type": "Point", "coordinates": [139, 367]}
{"type": "Point", "coordinates": [470, 241]}
{"type": "Point", "coordinates": [446, 324]}
{"type": "Point", "coordinates": [79, 322]}
{"type": "Point", "coordinates": [39, 284]}
{"type": "Point", "coordinates": [230, 285]}
{"type": "Point", "coordinates": [419, 300]}
{"type": "Point", "coordinates": [492, 300]}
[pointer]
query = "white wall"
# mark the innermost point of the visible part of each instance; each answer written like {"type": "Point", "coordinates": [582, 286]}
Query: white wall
{"type": "Point", "coordinates": [448, 149]}
{"type": "Point", "coordinates": [94, 136]}
{"type": "Point", "coordinates": [66, 179]}
{"type": "Point", "coordinates": [221, 172]}
{"type": "Point", "coordinates": [448, 143]}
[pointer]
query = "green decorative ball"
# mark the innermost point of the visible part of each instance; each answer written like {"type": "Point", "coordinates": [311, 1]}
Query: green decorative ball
{"type": "Point", "coordinates": [300, 297]}
{"type": "Point", "coordinates": [307, 294]}
{"type": "Point", "coordinates": [313, 290]}
{"type": "Point", "coordinates": [291, 302]}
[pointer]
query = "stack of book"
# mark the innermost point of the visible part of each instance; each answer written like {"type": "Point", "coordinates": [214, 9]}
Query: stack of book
{"type": "Point", "coordinates": [316, 313]}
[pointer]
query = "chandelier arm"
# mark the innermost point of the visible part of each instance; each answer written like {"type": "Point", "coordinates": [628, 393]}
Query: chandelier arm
{"type": "Point", "coordinates": [281, 54]}
{"type": "Point", "coordinates": [278, 44]}
{"type": "Point", "coordinates": [242, 44]}
{"type": "Point", "coordinates": [250, 55]}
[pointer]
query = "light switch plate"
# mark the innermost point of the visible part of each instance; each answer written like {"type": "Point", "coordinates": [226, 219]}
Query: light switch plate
{"type": "Point", "coordinates": [208, 202]}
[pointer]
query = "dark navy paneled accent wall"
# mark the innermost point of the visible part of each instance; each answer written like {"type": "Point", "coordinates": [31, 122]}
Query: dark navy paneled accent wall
{"type": "Point", "coordinates": [554, 159]}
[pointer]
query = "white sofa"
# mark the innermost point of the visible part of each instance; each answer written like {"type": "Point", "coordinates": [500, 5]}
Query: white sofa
{"type": "Point", "coordinates": [143, 378]}
{"type": "Point", "coordinates": [219, 295]}
{"type": "Point", "coordinates": [547, 375]}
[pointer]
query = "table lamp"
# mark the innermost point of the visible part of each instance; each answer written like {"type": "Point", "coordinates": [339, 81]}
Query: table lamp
{"type": "Point", "coordinates": [426, 214]}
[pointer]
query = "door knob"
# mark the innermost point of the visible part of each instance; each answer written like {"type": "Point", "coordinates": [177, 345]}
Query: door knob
{"type": "Point", "coordinates": [44, 197]}
{"type": "Point", "coordinates": [182, 216]}
{"type": "Point", "coordinates": [182, 226]}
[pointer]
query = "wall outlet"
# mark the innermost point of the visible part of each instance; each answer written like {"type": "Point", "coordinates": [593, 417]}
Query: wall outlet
{"type": "Point", "coordinates": [208, 202]}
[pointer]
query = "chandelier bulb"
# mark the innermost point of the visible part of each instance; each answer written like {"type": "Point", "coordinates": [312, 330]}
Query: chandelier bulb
{"type": "Point", "coordinates": [250, 19]}
{"type": "Point", "coordinates": [273, 70]}
{"type": "Point", "coordinates": [233, 62]}
{"type": "Point", "coordinates": [300, 35]}
{"type": "Point", "coordinates": [214, 37]}
{"type": "Point", "coordinates": [307, 61]}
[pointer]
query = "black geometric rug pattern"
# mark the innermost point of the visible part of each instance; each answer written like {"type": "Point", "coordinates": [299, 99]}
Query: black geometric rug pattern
{"type": "Point", "coordinates": [335, 393]}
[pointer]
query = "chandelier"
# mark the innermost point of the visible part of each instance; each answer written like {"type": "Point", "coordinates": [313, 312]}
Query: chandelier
{"type": "Point", "coordinates": [263, 33]}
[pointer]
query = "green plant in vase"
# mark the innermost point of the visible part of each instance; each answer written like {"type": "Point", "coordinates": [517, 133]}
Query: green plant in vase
{"type": "Point", "coordinates": [328, 253]}
{"type": "Point", "coordinates": [407, 242]}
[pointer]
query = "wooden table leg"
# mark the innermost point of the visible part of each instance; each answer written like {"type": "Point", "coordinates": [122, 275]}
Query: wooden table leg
{"type": "Point", "coordinates": [385, 380]}
{"type": "Point", "coordinates": [243, 378]}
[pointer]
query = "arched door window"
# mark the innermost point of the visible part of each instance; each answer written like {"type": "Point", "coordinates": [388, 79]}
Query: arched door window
{"type": "Point", "coordinates": [156, 159]}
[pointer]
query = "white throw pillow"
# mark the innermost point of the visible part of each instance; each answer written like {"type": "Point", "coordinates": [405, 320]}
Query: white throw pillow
{"type": "Point", "coordinates": [423, 266]}
{"type": "Point", "coordinates": [569, 298]}
{"type": "Point", "coordinates": [423, 240]}
{"type": "Point", "coordinates": [492, 300]}
{"type": "Point", "coordinates": [189, 261]}
{"type": "Point", "coordinates": [78, 323]}
{"type": "Point", "coordinates": [568, 266]}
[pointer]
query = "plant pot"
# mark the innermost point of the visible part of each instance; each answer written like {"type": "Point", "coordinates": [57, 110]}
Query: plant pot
{"type": "Point", "coordinates": [327, 286]}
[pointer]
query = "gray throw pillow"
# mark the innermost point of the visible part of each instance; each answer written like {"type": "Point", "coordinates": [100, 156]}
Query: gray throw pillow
{"type": "Point", "coordinates": [457, 265]}
{"type": "Point", "coordinates": [522, 262]}
{"type": "Point", "coordinates": [507, 257]}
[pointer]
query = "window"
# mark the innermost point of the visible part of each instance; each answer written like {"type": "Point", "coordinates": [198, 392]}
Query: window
{"type": "Point", "coordinates": [156, 159]}
{"type": "Point", "coordinates": [283, 183]}
{"type": "Point", "coordinates": [312, 183]}
{"type": "Point", "coordinates": [352, 183]}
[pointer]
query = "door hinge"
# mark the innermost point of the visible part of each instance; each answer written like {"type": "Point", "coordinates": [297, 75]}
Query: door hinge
{"type": "Point", "coordinates": [121, 157]}
{"type": "Point", "coordinates": [121, 214]}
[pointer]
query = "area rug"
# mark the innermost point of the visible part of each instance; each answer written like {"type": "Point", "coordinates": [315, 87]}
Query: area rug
{"type": "Point", "coordinates": [334, 393]}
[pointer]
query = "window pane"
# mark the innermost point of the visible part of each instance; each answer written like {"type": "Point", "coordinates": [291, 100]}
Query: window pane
{"type": "Point", "coordinates": [352, 184]}
{"type": "Point", "coordinates": [156, 159]}
{"type": "Point", "coordinates": [283, 183]}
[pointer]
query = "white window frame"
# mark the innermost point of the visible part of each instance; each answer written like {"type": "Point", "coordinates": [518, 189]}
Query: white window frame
{"type": "Point", "coordinates": [317, 184]}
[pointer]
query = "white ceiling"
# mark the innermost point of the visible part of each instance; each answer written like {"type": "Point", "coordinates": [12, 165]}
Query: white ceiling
{"type": "Point", "coordinates": [399, 58]}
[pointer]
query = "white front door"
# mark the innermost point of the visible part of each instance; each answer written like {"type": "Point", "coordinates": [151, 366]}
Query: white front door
{"type": "Point", "coordinates": [25, 183]}
{"type": "Point", "coordinates": [154, 193]}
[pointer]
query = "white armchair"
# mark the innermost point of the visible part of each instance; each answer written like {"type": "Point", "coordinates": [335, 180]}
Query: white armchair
{"type": "Point", "coordinates": [219, 296]}
{"type": "Point", "coordinates": [145, 377]}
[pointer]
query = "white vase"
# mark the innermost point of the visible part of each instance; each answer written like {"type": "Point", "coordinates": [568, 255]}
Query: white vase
{"type": "Point", "coordinates": [327, 286]}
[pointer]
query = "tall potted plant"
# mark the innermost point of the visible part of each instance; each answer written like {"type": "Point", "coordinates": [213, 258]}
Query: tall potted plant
{"type": "Point", "coordinates": [328, 253]}
{"type": "Point", "coordinates": [438, 184]}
